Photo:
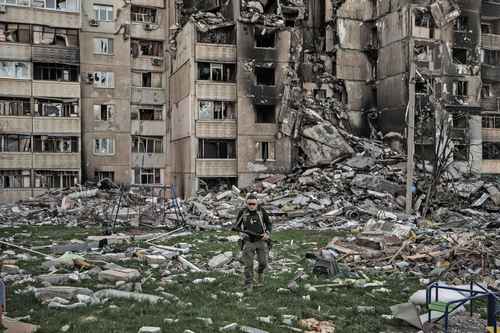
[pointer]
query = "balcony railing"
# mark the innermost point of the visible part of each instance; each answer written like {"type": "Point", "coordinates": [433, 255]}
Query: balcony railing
{"type": "Point", "coordinates": [490, 104]}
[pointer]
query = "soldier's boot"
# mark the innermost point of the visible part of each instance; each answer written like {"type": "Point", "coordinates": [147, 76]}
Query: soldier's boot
{"type": "Point", "coordinates": [259, 282]}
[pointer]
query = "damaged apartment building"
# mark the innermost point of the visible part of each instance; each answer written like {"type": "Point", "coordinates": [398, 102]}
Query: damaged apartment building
{"type": "Point", "coordinates": [220, 92]}
{"type": "Point", "coordinates": [274, 83]}
{"type": "Point", "coordinates": [40, 131]}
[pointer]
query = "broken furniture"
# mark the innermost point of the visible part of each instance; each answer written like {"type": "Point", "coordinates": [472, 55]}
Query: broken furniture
{"type": "Point", "coordinates": [446, 308]}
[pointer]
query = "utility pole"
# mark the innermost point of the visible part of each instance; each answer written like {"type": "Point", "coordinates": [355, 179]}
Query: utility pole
{"type": "Point", "coordinates": [410, 135]}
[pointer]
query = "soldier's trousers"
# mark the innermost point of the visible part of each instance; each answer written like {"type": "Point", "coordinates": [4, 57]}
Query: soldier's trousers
{"type": "Point", "coordinates": [249, 250]}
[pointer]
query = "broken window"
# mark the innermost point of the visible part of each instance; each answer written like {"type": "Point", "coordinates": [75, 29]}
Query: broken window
{"type": "Point", "coordinates": [56, 108]}
{"type": "Point", "coordinates": [422, 53]}
{"type": "Point", "coordinates": [101, 175]}
{"type": "Point", "coordinates": [460, 88]}
{"type": "Point", "coordinates": [216, 72]}
{"type": "Point", "coordinates": [103, 46]}
{"type": "Point", "coordinates": [15, 143]}
{"type": "Point", "coordinates": [265, 114]}
{"type": "Point", "coordinates": [15, 33]}
{"type": "Point", "coordinates": [265, 151]}
{"type": "Point", "coordinates": [216, 149]}
{"type": "Point", "coordinates": [491, 57]}
{"type": "Point", "coordinates": [56, 179]}
{"type": "Point", "coordinates": [147, 144]}
{"type": "Point", "coordinates": [461, 24]}
{"type": "Point", "coordinates": [15, 107]}
{"type": "Point", "coordinates": [144, 14]}
{"type": "Point", "coordinates": [459, 55]}
{"type": "Point", "coordinates": [55, 72]}
{"type": "Point", "coordinates": [104, 146]}
{"type": "Point", "coordinates": [147, 176]}
{"type": "Point", "coordinates": [55, 144]}
{"type": "Point", "coordinates": [146, 80]}
{"type": "Point", "coordinates": [15, 179]}
{"type": "Point", "coordinates": [148, 114]}
{"type": "Point", "coordinates": [217, 184]}
{"type": "Point", "coordinates": [217, 36]}
{"type": "Point", "coordinates": [62, 5]}
{"type": "Point", "coordinates": [486, 28]}
{"type": "Point", "coordinates": [486, 90]}
{"type": "Point", "coordinates": [265, 38]}
{"type": "Point", "coordinates": [15, 70]}
{"type": "Point", "coordinates": [103, 13]}
{"type": "Point", "coordinates": [491, 121]}
{"type": "Point", "coordinates": [216, 110]}
{"type": "Point", "coordinates": [103, 112]}
{"type": "Point", "coordinates": [461, 152]}
{"type": "Point", "coordinates": [264, 75]}
{"type": "Point", "coordinates": [491, 151]}
{"type": "Point", "coordinates": [146, 48]}
{"type": "Point", "coordinates": [422, 18]}
{"type": "Point", "coordinates": [421, 87]}
{"type": "Point", "coordinates": [102, 79]}
{"type": "Point", "coordinates": [43, 35]}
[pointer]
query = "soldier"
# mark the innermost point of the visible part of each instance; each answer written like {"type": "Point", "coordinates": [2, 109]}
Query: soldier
{"type": "Point", "coordinates": [254, 224]}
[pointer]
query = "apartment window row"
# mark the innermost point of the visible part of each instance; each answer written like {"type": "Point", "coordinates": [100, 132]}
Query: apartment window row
{"type": "Point", "coordinates": [144, 15]}
{"type": "Point", "coordinates": [460, 88]}
{"type": "Point", "coordinates": [217, 110]}
{"type": "Point", "coordinates": [491, 121]}
{"type": "Point", "coordinates": [103, 112]}
{"type": "Point", "coordinates": [62, 5]}
{"type": "Point", "coordinates": [217, 36]}
{"type": "Point", "coordinates": [41, 143]}
{"type": "Point", "coordinates": [100, 175]}
{"type": "Point", "coordinates": [146, 48]}
{"type": "Point", "coordinates": [147, 144]}
{"type": "Point", "coordinates": [16, 179]}
{"type": "Point", "coordinates": [38, 35]}
{"type": "Point", "coordinates": [103, 13]}
{"type": "Point", "coordinates": [42, 108]}
{"type": "Point", "coordinates": [491, 151]}
{"type": "Point", "coordinates": [147, 176]}
{"type": "Point", "coordinates": [15, 70]}
{"type": "Point", "coordinates": [55, 72]}
{"type": "Point", "coordinates": [217, 149]}
{"type": "Point", "coordinates": [148, 114]}
{"type": "Point", "coordinates": [265, 151]}
{"type": "Point", "coordinates": [103, 46]}
{"type": "Point", "coordinates": [216, 72]}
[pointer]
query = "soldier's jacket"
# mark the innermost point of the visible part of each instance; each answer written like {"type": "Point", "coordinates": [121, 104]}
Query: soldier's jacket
{"type": "Point", "coordinates": [257, 222]}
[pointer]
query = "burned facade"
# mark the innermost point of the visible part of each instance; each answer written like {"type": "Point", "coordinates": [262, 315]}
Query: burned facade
{"type": "Point", "coordinates": [40, 145]}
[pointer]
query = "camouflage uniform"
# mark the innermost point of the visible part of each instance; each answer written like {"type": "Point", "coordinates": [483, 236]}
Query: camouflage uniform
{"type": "Point", "coordinates": [256, 222]}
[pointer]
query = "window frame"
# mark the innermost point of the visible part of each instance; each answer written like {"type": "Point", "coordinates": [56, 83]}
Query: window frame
{"type": "Point", "coordinates": [110, 142]}
{"type": "Point", "coordinates": [98, 8]}
{"type": "Point", "coordinates": [110, 46]}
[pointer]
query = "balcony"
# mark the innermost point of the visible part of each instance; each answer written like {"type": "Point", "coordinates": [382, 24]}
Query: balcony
{"type": "Point", "coordinates": [490, 104]}
{"type": "Point", "coordinates": [461, 101]}
{"type": "Point", "coordinates": [490, 41]}
{"type": "Point", "coordinates": [216, 168]}
{"type": "Point", "coordinates": [225, 129]}
{"type": "Point", "coordinates": [56, 89]}
{"type": "Point", "coordinates": [15, 51]}
{"type": "Point", "coordinates": [151, 96]}
{"type": "Point", "coordinates": [42, 16]}
{"type": "Point", "coordinates": [215, 52]}
{"type": "Point", "coordinates": [15, 160]}
{"type": "Point", "coordinates": [145, 160]}
{"type": "Point", "coordinates": [149, 127]}
{"type": "Point", "coordinates": [490, 9]}
{"type": "Point", "coordinates": [56, 125]}
{"type": "Point", "coordinates": [216, 90]}
{"type": "Point", "coordinates": [56, 55]}
{"type": "Point", "coordinates": [148, 64]}
{"type": "Point", "coordinates": [13, 87]}
{"type": "Point", "coordinates": [490, 73]}
{"type": "Point", "coordinates": [56, 161]}
{"type": "Point", "coordinates": [147, 31]}
{"type": "Point", "coordinates": [491, 134]}
{"type": "Point", "coordinates": [16, 124]}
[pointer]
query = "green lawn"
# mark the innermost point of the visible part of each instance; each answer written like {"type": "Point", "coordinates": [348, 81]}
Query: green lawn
{"type": "Point", "coordinates": [219, 300]}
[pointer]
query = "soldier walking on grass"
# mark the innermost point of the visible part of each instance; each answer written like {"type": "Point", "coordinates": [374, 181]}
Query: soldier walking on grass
{"type": "Point", "coordinates": [254, 224]}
